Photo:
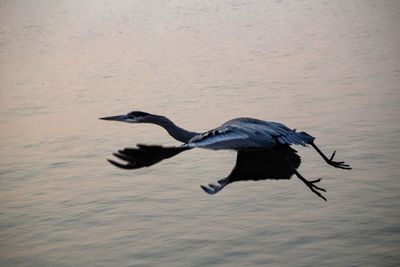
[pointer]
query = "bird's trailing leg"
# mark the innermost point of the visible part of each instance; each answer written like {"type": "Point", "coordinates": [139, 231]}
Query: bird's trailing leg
{"type": "Point", "coordinates": [336, 164]}
{"type": "Point", "coordinates": [215, 188]}
{"type": "Point", "coordinates": [311, 184]}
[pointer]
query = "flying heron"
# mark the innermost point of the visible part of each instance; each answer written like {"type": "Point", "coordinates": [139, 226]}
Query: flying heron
{"type": "Point", "coordinates": [263, 149]}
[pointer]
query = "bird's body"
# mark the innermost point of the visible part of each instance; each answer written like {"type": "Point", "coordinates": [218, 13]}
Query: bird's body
{"type": "Point", "coordinates": [263, 148]}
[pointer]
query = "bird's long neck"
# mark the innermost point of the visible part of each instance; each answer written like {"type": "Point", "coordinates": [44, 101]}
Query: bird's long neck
{"type": "Point", "coordinates": [176, 132]}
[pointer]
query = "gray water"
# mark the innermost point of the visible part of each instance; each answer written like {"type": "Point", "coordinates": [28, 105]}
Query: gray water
{"type": "Point", "coordinates": [331, 68]}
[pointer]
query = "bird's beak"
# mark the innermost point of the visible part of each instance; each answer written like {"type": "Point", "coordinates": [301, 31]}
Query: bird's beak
{"type": "Point", "coordinates": [123, 118]}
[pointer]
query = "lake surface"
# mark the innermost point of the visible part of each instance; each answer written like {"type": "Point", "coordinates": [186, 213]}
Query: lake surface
{"type": "Point", "coordinates": [331, 68]}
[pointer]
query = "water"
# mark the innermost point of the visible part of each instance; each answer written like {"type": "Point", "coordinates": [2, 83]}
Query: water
{"type": "Point", "coordinates": [329, 68]}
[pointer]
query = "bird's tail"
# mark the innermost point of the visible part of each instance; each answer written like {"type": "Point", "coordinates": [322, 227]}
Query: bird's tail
{"type": "Point", "coordinates": [145, 155]}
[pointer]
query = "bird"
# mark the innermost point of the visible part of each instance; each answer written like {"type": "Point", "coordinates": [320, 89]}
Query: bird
{"type": "Point", "coordinates": [263, 149]}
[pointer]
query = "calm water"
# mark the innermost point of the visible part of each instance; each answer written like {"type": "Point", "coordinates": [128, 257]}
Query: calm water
{"type": "Point", "coordinates": [329, 68]}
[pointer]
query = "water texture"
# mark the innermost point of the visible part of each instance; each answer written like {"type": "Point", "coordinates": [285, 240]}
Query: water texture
{"type": "Point", "coordinates": [331, 68]}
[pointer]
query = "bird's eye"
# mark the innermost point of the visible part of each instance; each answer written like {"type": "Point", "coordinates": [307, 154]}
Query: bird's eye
{"type": "Point", "coordinates": [137, 114]}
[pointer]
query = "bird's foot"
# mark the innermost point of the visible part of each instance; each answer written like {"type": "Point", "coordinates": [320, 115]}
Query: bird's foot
{"type": "Point", "coordinates": [314, 188]}
{"type": "Point", "coordinates": [338, 164]}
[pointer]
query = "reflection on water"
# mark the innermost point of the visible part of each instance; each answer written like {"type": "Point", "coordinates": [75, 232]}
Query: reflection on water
{"type": "Point", "coordinates": [329, 68]}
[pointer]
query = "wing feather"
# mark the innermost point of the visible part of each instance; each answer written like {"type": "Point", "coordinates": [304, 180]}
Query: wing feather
{"type": "Point", "coordinates": [216, 137]}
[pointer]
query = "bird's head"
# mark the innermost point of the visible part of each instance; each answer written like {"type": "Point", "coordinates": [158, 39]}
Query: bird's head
{"type": "Point", "coordinates": [132, 117]}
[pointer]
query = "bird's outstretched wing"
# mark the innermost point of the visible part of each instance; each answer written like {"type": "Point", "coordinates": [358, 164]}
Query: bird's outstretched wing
{"type": "Point", "coordinates": [144, 155]}
{"type": "Point", "coordinates": [243, 133]}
